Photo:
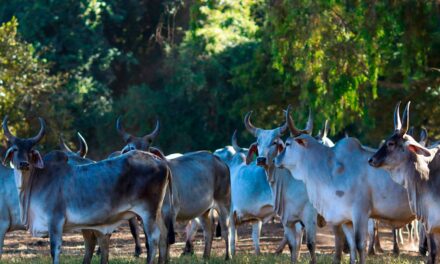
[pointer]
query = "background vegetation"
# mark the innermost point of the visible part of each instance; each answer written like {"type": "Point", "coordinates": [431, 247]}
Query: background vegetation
{"type": "Point", "coordinates": [200, 65]}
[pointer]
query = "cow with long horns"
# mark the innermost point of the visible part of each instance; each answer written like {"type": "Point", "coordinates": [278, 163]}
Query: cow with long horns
{"type": "Point", "coordinates": [57, 197]}
{"type": "Point", "coordinates": [416, 168]}
{"type": "Point", "coordinates": [289, 195]}
{"type": "Point", "coordinates": [343, 188]}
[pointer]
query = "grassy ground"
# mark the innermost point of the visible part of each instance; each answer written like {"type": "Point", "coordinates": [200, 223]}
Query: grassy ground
{"type": "Point", "coordinates": [248, 258]}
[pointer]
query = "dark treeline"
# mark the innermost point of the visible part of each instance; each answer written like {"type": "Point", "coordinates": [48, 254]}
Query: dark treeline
{"type": "Point", "coordinates": [199, 66]}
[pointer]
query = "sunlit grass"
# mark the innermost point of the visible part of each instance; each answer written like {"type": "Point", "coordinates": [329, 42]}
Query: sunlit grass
{"type": "Point", "coordinates": [239, 259]}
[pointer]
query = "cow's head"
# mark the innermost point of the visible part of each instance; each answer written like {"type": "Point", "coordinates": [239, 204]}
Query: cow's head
{"type": "Point", "coordinates": [268, 143]}
{"type": "Point", "coordinates": [83, 148]}
{"type": "Point", "coordinates": [299, 141]}
{"type": "Point", "coordinates": [138, 143]}
{"type": "Point", "coordinates": [399, 149]}
{"type": "Point", "coordinates": [21, 153]}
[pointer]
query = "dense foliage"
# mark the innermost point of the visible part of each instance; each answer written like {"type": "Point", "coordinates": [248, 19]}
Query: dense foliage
{"type": "Point", "coordinates": [200, 65]}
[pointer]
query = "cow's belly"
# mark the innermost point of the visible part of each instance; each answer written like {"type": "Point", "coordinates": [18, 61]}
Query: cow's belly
{"type": "Point", "coordinates": [264, 213]}
{"type": "Point", "coordinates": [193, 204]}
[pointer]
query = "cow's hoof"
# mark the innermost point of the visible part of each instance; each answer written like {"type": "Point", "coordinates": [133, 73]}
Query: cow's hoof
{"type": "Point", "coordinates": [423, 251]}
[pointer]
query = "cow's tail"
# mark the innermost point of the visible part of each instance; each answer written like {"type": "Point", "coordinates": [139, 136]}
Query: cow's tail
{"type": "Point", "coordinates": [169, 219]}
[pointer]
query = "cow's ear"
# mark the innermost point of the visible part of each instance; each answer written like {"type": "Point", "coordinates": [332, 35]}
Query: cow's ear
{"type": "Point", "coordinates": [37, 160]}
{"type": "Point", "coordinates": [8, 156]}
{"type": "Point", "coordinates": [301, 141]}
{"type": "Point", "coordinates": [418, 149]}
{"type": "Point", "coordinates": [253, 149]}
{"type": "Point", "coordinates": [280, 146]}
{"type": "Point", "coordinates": [157, 152]}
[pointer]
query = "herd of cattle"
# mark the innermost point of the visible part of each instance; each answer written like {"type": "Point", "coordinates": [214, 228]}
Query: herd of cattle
{"type": "Point", "coordinates": [306, 181]}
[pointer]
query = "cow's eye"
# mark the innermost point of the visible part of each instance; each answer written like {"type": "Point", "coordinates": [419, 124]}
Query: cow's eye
{"type": "Point", "coordinates": [287, 144]}
{"type": "Point", "coordinates": [390, 144]}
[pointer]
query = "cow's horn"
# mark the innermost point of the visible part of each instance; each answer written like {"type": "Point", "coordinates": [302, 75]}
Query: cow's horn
{"type": "Point", "coordinates": [63, 144]}
{"type": "Point", "coordinates": [309, 126]}
{"type": "Point", "coordinates": [83, 148]}
{"type": "Point", "coordinates": [40, 134]}
{"type": "Point", "coordinates": [155, 132]}
{"type": "Point", "coordinates": [405, 118]}
{"type": "Point", "coordinates": [6, 131]}
{"type": "Point", "coordinates": [283, 128]}
{"type": "Point", "coordinates": [121, 131]}
{"type": "Point", "coordinates": [397, 123]}
{"type": "Point", "coordinates": [234, 142]}
{"type": "Point", "coordinates": [293, 130]}
{"type": "Point", "coordinates": [326, 129]}
{"type": "Point", "coordinates": [248, 124]}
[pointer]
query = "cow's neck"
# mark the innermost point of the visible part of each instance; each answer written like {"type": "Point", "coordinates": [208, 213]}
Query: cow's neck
{"type": "Point", "coordinates": [422, 184]}
{"type": "Point", "coordinates": [23, 181]}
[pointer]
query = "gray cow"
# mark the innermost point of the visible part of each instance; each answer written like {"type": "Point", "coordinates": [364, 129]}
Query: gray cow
{"type": "Point", "coordinates": [251, 196]}
{"type": "Point", "coordinates": [417, 168]}
{"type": "Point", "coordinates": [57, 197]}
{"type": "Point", "coordinates": [289, 195]}
{"type": "Point", "coordinates": [201, 182]}
{"type": "Point", "coordinates": [343, 188]}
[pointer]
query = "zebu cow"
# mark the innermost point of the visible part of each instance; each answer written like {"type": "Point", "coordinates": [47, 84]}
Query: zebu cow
{"type": "Point", "coordinates": [289, 195]}
{"type": "Point", "coordinates": [208, 179]}
{"type": "Point", "coordinates": [417, 169]}
{"type": "Point", "coordinates": [57, 197]}
{"type": "Point", "coordinates": [251, 196]}
{"type": "Point", "coordinates": [343, 188]}
{"type": "Point", "coordinates": [9, 201]}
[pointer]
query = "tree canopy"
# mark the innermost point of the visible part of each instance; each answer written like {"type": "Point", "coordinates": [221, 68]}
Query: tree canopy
{"type": "Point", "coordinates": [199, 66]}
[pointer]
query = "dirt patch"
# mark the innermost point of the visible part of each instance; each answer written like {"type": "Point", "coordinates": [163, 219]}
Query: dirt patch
{"type": "Point", "coordinates": [21, 244]}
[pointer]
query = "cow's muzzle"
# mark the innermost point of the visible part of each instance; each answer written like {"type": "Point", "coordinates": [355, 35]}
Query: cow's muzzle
{"type": "Point", "coordinates": [261, 161]}
{"type": "Point", "coordinates": [23, 165]}
{"type": "Point", "coordinates": [374, 162]}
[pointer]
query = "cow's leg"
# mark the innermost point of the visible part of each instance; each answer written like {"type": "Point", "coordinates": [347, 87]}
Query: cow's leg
{"type": "Point", "coordinates": [190, 232]}
{"type": "Point", "coordinates": [416, 230]}
{"type": "Point", "coordinates": [89, 245]}
{"type": "Point", "coordinates": [56, 238]}
{"type": "Point", "coordinates": [310, 224]}
{"type": "Point", "coordinates": [224, 223]}
{"type": "Point", "coordinates": [281, 246]}
{"type": "Point", "coordinates": [360, 226]}
{"type": "Point", "coordinates": [396, 249]}
{"type": "Point", "coordinates": [133, 223]}
{"type": "Point", "coordinates": [377, 245]}
{"type": "Point", "coordinates": [232, 234]}
{"type": "Point", "coordinates": [350, 236]}
{"type": "Point", "coordinates": [409, 229]}
{"type": "Point", "coordinates": [290, 233]}
{"type": "Point", "coordinates": [3, 229]}
{"type": "Point", "coordinates": [339, 243]}
{"type": "Point", "coordinates": [104, 244]}
{"type": "Point", "coordinates": [372, 236]}
{"type": "Point", "coordinates": [208, 233]}
{"type": "Point", "coordinates": [423, 241]}
{"type": "Point", "coordinates": [431, 249]}
{"type": "Point", "coordinates": [256, 229]}
{"type": "Point", "coordinates": [152, 232]}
